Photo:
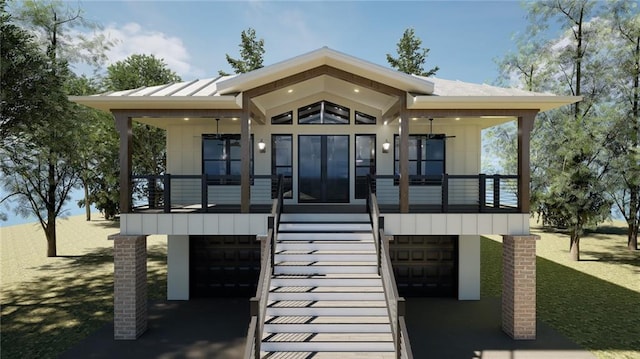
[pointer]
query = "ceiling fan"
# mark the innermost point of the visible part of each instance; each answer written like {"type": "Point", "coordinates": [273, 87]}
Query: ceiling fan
{"type": "Point", "coordinates": [234, 143]}
{"type": "Point", "coordinates": [437, 136]}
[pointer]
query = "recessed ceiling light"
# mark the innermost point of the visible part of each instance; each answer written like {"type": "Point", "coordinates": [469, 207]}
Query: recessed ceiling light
{"type": "Point", "coordinates": [289, 90]}
{"type": "Point", "coordinates": [457, 118]}
{"type": "Point", "coordinates": [356, 90]}
{"type": "Point", "coordinates": [186, 118]}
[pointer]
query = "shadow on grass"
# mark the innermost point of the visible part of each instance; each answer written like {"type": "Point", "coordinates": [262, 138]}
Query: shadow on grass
{"type": "Point", "coordinates": [198, 328]}
{"type": "Point", "coordinates": [594, 313]}
{"type": "Point", "coordinates": [72, 298]}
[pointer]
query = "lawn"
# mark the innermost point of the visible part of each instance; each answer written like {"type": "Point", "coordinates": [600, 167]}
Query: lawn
{"type": "Point", "coordinates": [594, 302]}
{"type": "Point", "coordinates": [49, 304]}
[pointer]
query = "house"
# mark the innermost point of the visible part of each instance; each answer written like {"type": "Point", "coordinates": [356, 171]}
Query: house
{"type": "Point", "coordinates": [323, 133]}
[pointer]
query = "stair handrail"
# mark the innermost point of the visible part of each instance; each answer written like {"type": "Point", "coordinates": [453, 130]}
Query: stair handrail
{"type": "Point", "coordinates": [395, 303]}
{"type": "Point", "coordinates": [258, 303]}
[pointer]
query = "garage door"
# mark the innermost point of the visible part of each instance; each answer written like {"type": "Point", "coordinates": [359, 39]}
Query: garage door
{"type": "Point", "coordinates": [223, 266]}
{"type": "Point", "coordinates": [425, 266]}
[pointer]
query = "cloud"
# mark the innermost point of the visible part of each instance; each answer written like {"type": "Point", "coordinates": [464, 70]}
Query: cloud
{"type": "Point", "coordinates": [133, 39]}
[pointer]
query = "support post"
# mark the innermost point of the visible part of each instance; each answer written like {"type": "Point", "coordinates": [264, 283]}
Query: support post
{"type": "Point", "coordinates": [123, 125]}
{"type": "Point", "coordinates": [404, 156]}
{"type": "Point", "coordinates": [130, 286]}
{"type": "Point", "coordinates": [245, 148]}
{"type": "Point", "coordinates": [525, 126]}
{"type": "Point", "coordinates": [519, 286]}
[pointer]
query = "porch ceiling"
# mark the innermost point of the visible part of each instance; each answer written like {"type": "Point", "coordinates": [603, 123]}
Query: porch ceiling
{"type": "Point", "coordinates": [324, 84]}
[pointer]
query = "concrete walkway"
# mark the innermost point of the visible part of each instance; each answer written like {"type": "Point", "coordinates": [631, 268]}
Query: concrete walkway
{"type": "Point", "coordinates": [216, 328]}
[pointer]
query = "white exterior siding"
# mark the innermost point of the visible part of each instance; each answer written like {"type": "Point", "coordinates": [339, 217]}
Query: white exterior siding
{"type": "Point", "coordinates": [194, 223]}
{"type": "Point", "coordinates": [469, 268]}
{"type": "Point", "coordinates": [456, 223]}
{"type": "Point", "coordinates": [178, 268]}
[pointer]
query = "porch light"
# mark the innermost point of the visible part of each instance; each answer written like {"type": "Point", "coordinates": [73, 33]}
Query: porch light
{"type": "Point", "coordinates": [385, 146]}
{"type": "Point", "coordinates": [262, 146]}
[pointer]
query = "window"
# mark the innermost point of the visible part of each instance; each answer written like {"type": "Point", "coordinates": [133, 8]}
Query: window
{"type": "Point", "coordinates": [282, 161]}
{"type": "Point", "coordinates": [221, 156]}
{"type": "Point", "coordinates": [283, 119]}
{"type": "Point", "coordinates": [365, 163]}
{"type": "Point", "coordinates": [364, 119]}
{"type": "Point", "coordinates": [323, 113]}
{"type": "Point", "coordinates": [426, 159]}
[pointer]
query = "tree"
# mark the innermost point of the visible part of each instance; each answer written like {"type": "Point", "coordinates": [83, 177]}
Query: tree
{"type": "Point", "coordinates": [411, 57]}
{"type": "Point", "coordinates": [39, 162]}
{"type": "Point", "coordinates": [251, 54]}
{"type": "Point", "coordinates": [149, 147]}
{"type": "Point", "coordinates": [623, 142]}
{"type": "Point", "coordinates": [567, 181]}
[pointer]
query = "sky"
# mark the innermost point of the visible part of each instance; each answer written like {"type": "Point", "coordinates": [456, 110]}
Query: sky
{"type": "Point", "coordinates": [464, 37]}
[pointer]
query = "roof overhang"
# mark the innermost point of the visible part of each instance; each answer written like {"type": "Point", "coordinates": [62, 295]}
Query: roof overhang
{"type": "Point", "coordinates": [540, 103]}
{"type": "Point", "coordinates": [108, 103]}
{"type": "Point", "coordinates": [329, 57]}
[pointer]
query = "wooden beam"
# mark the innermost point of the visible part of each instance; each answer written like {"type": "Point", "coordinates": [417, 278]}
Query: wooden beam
{"type": "Point", "coordinates": [123, 126]}
{"type": "Point", "coordinates": [245, 150]}
{"type": "Point", "coordinates": [426, 113]}
{"type": "Point", "coordinates": [525, 126]}
{"type": "Point", "coordinates": [191, 113]}
{"type": "Point", "coordinates": [319, 71]}
{"type": "Point", "coordinates": [404, 156]}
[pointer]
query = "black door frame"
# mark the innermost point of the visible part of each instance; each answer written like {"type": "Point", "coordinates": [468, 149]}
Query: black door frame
{"type": "Point", "coordinates": [323, 168]}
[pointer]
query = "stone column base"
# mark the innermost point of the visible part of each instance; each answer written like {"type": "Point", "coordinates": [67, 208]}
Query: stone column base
{"type": "Point", "coordinates": [130, 286]}
{"type": "Point", "coordinates": [519, 286]}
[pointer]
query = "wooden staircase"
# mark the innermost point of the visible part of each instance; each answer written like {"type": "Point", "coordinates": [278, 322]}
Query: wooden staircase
{"type": "Point", "coordinates": [326, 298]}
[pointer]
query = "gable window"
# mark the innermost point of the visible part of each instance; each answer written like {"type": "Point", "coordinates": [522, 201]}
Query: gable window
{"type": "Point", "coordinates": [222, 156]}
{"type": "Point", "coordinates": [426, 159]}
{"type": "Point", "coordinates": [283, 119]}
{"type": "Point", "coordinates": [364, 119]}
{"type": "Point", "coordinates": [323, 113]}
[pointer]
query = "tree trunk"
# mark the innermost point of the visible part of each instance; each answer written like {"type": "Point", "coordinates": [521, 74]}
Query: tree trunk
{"type": "Point", "coordinates": [87, 203]}
{"type": "Point", "coordinates": [632, 241]}
{"type": "Point", "coordinates": [574, 250]}
{"type": "Point", "coordinates": [50, 233]}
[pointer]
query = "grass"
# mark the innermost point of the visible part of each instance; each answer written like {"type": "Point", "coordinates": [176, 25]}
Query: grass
{"type": "Point", "coordinates": [594, 302]}
{"type": "Point", "coordinates": [49, 304]}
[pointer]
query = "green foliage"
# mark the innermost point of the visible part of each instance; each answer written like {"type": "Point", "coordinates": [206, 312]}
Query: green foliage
{"type": "Point", "coordinates": [251, 54]}
{"type": "Point", "coordinates": [138, 71]}
{"type": "Point", "coordinates": [411, 57]}
{"type": "Point", "coordinates": [61, 29]}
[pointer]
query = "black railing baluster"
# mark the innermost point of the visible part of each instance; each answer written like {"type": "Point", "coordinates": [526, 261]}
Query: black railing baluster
{"type": "Point", "coordinates": [167, 193]}
{"type": "Point", "coordinates": [496, 191]}
{"type": "Point", "coordinates": [445, 193]}
{"type": "Point", "coordinates": [482, 192]}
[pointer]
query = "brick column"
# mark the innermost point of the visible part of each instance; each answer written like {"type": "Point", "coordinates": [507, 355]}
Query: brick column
{"type": "Point", "coordinates": [519, 286]}
{"type": "Point", "coordinates": [130, 286]}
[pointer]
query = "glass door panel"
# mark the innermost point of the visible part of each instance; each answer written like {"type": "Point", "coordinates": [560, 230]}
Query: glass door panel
{"type": "Point", "coordinates": [323, 169]}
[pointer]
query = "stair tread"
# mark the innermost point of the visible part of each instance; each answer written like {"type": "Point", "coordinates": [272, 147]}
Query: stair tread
{"type": "Point", "coordinates": [328, 304]}
{"type": "Point", "coordinates": [330, 355]}
{"type": "Point", "coordinates": [327, 337]}
{"type": "Point", "coordinates": [326, 289]}
{"type": "Point", "coordinates": [325, 263]}
{"type": "Point", "coordinates": [328, 319]}
{"type": "Point", "coordinates": [321, 252]}
{"type": "Point", "coordinates": [328, 276]}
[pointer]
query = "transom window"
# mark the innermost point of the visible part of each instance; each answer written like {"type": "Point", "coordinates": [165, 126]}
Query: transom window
{"type": "Point", "coordinates": [323, 113]}
{"type": "Point", "coordinates": [222, 156]}
{"type": "Point", "coordinates": [364, 119]}
{"type": "Point", "coordinates": [283, 119]}
{"type": "Point", "coordinates": [426, 159]}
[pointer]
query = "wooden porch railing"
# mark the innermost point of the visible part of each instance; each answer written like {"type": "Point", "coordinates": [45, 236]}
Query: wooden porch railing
{"type": "Point", "coordinates": [395, 303]}
{"type": "Point", "coordinates": [258, 303]}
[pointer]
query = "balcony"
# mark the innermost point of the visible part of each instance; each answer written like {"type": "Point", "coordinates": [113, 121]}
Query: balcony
{"type": "Point", "coordinates": [221, 194]}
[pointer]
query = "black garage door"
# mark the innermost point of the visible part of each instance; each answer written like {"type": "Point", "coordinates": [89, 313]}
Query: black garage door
{"type": "Point", "coordinates": [223, 266]}
{"type": "Point", "coordinates": [425, 266]}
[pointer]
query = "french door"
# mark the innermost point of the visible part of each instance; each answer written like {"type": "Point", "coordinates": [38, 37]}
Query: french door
{"type": "Point", "coordinates": [323, 168]}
